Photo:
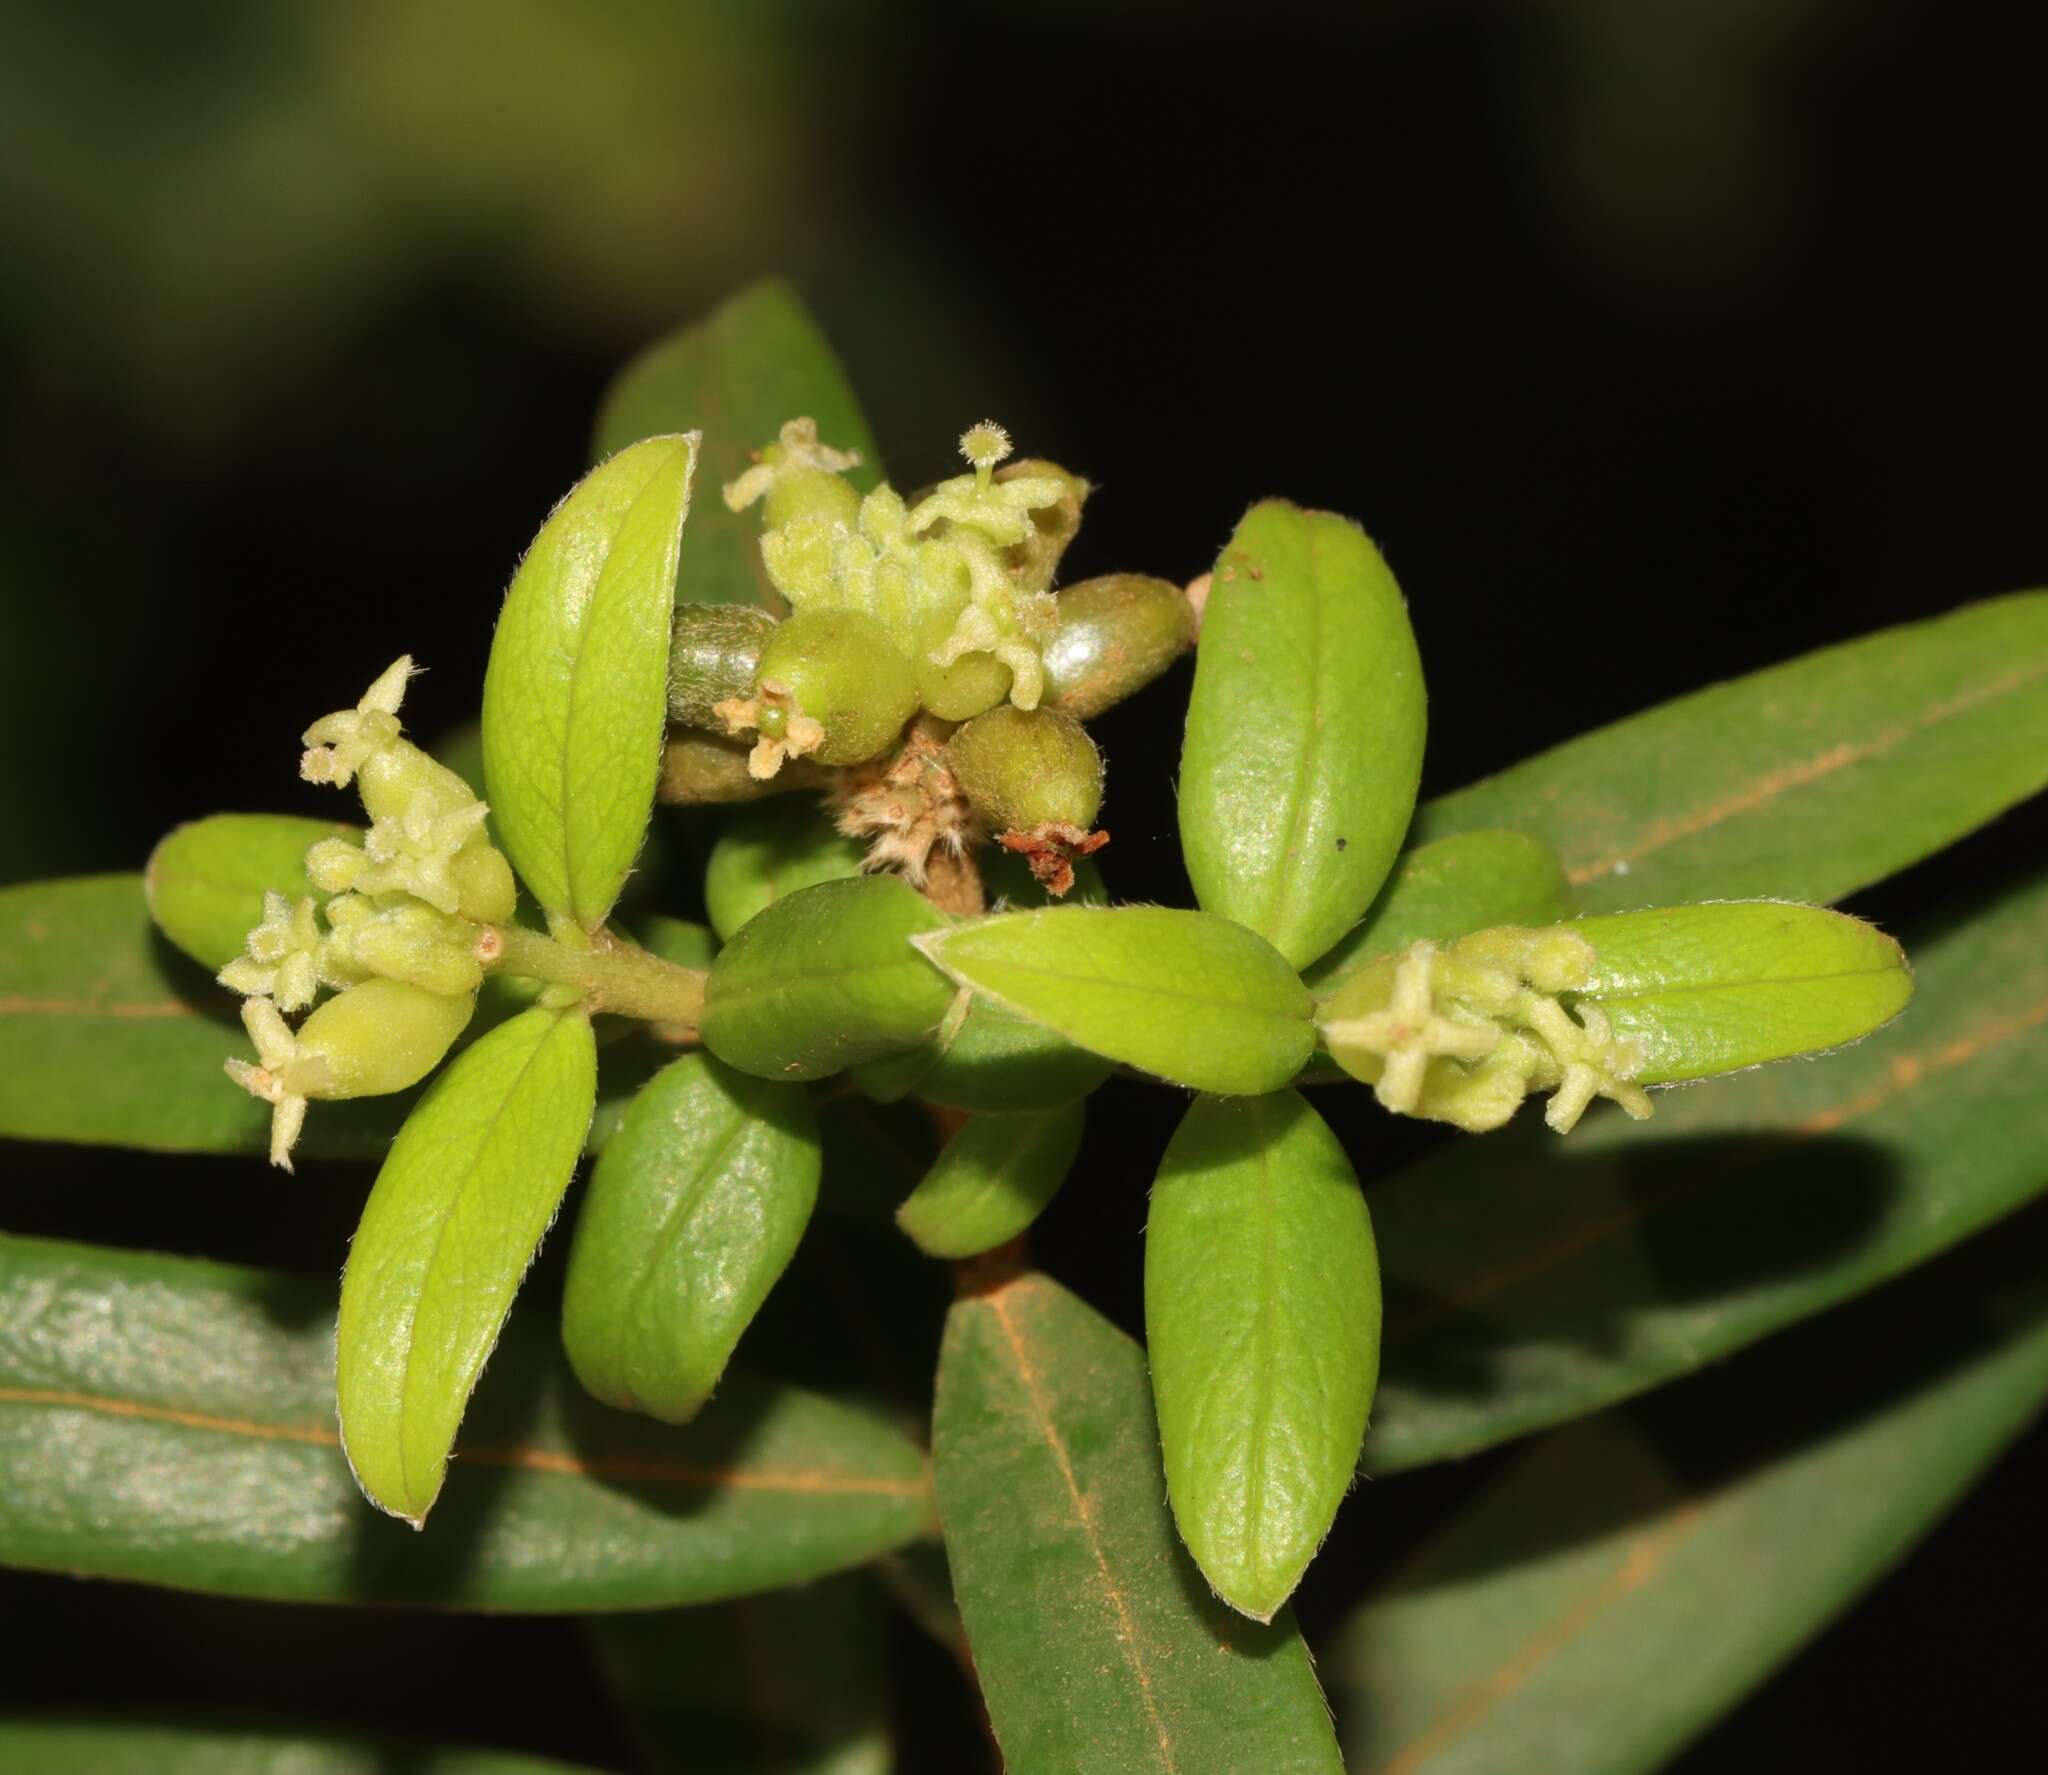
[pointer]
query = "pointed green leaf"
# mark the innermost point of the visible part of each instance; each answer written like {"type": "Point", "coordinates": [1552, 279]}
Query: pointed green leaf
{"type": "Point", "coordinates": [826, 979]}
{"type": "Point", "coordinates": [791, 1683]}
{"type": "Point", "coordinates": [453, 1221]}
{"type": "Point", "coordinates": [1708, 989]}
{"type": "Point", "coordinates": [1262, 1318]}
{"type": "Point", "coordinates": [206, 881]}
{"type": "Point", "coordinates": [692, 1214]}
{"type": "Point", "coordinates": [1530, 1280]}
{"type": "Point", "coordinates": [58, 1746]}
{"type": "Point", "coordinates": [991, 1181]}
{"type": "Point", "coordinates": [171, 1422]}
{"type": "Point", "coordinates": [770, 851]}
{"type": "Point", "coordinates": [1304, 734]}
{"type": "Point", "coordinates": [1098, 1645]}
{"type": "Point", "coordinates": [1598, 1604]}
{"type": "Point", "coordinates": [1438, 891]}
{"type": "Point", "coordinates": [576, 692]}
{"type": "Point", "coordinates": [736, 376]}
{"type": "Point", "coordinates": [1811, 779]}
{"type": "Point", "coordinates": [1195, 999]}
{"type": "Point", "coordinates": [107, 1036]}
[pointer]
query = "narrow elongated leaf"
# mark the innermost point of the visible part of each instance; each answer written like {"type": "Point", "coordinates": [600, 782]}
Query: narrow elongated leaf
{"type": "Point", "coordinates": [172, 1422]}
{"type": "Point", "coordinates": [1304, 735]}
{"type": "Point", "coordinates": [453, 1221]}
{"type": "Point", "coordinates": [1193, 998]}
{"type": "Point", "coordinates": [206, 881]}
{"type": "Point", "coordinates": [692, 1214]}
{"type": "Point", "coordinates": [58, 1746]}
{"type": "Point", "coordinates": [791, 1683]}
{"type": "Point", "coordinates": [1707, 989]}
{"type": "Point", "coordinates": [769, 852]}
{"type": "Point", "coordinates": [826, 979]}
{"type": "Point", "coordinates": [1808, 780]}
{"type": "Point", "coordinates": [1600, 1603]}
{"type": "Point", "coordinates": [1530, 1280]}
{"type": "Point", "coordinates": [576, 692]}
{"type": "Point", "coordinates": [736, 376]}
{"type": "Point", "coordinates": [1262, 1318]}
{"type": "Point", "coordinates": [1098, 1645]}
{"type": "Point", "coordinates": [1463, 883]}
{"type": "Point", "coordinates": [108, 1037]}
{"type": "Point", "coordinates": [993, 1180]}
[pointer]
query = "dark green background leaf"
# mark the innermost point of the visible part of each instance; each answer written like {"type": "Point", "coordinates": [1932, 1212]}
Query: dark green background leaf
{"type": "Point", "coordinates": [99, 1747]}
{"type": "Point", "coordinates": [172, 1422]}
{"type": "Point", "coordinates": [1805, 781]}
{"type": "Point", "coordinates": [736, 376]}
{"type": "Point", "coordinates": [1097, 1642]}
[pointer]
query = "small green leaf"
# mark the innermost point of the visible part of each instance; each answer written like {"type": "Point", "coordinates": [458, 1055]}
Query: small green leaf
{"type": "Point", "coordinates": [108, 1037]}
{"type": "Point", "coordinates": [824, 980]}
{"type": "Point", "coordinates": [1708, 989]}
{"type": "Point", "coordinates": [1811, 779]}
{"type": "Point", "coordinates": [692, 1214]}
{"type": "Point", "coordinates": [1304, 734]}
{"type": "Point", "coordinates": [1625, 1581]}
{"type": "Point", "coordinates": [576, 692]}
{"type": "Point", "coordinates": [1099, 1649]}
{"type": "Point", "coordinates": [58, 1746]}
{"type": "Point", "coordinates": [1530, 1280]}
{"type": "Point", "coordinates": [1262, 1318]}
{"type": "Point", "coordinates": [1438, 891]}
{"type": "Point", "coordinates": [768, 852]}
{"type": "Point", "coordinates": [791, 1683]}
{"type": "Point", "coordinates": [1195, 999]}
{"type": "Point", "coordinates": [736, 376]}
{"type": "Point", "coordinates": [206, 881]}
{"type": "Point", "coordinates": [172, 1422]}
{"type": "Point", "coordinates": [991, 1181]}
{"type": "Point", "coordinates": [453, 1221]}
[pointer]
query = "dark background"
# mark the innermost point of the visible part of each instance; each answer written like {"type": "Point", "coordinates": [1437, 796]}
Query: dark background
{"type": "Point", "coordinates": [1655, 340]}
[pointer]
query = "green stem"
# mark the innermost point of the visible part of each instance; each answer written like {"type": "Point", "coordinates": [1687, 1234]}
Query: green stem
{"type": "Point", "coordinates": [612, 976]}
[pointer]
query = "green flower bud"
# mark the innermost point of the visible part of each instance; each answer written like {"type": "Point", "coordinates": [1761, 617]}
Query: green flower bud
{"type": "Point", "coordinates": [713, 658]}
{"type": "Point", "coordinates": [1116, 635]}
{"type": "Point", "coordinates": [1036, 777]}
{"type": "Point", "coordinates": [830, 686]}
{"type": "Point", "coordinates": [814, 493]}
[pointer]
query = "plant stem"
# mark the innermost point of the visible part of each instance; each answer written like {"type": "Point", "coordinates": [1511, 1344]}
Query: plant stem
{"type": "Point", "coordinates": [612, 976]}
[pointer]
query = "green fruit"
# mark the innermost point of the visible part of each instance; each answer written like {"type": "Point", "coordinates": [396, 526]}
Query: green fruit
{"type": "Point", "coordinates": [1116, 635]}
{"type": "Point", "coordinates": [713, 657]}
{"type": "Point", "coordinates": [1026, 769]}
{"type": "Point", "coordinates": [379, 1037]}
{"type": "Point", "coordinates": [972, 685]}
{"type": "Point", "coordinates": [840, 670]}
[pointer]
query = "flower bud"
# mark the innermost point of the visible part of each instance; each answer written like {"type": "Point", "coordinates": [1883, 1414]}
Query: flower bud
{"type": "Point", "coordinates": [1116, 634]}
{"type": "Point", "coordinates": [714, 655]}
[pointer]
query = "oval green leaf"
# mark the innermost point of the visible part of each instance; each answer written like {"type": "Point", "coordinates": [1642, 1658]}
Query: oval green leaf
{"type": "Point", "coordinates": [1709, 989]}
{"type": "Point", "coordinates": [1098, 1646]}
{"type": "Point", "coordinates": [58, 1746]}
{"type": "Point", "coordinates": [1530, 1280]}
{"type": "Point", "coordinates": [206, 881]}
{"type": "Point", "coordinates": [826, 979]}
{"type": "Point", "coordinates": [1618, 1562]}
{"type": "Point", "coordinates": [576, 692]}
{"type": "Point", "coordinates": [770, 851]}
{"type": "Point", "coordinates": [172, 1422]}
{"type": "Point", "coordinates": [1810, 779]}
{"type": "Point", "coordinates": [108, 1037]}
{"type": "Point", "coordinates": [453, 1221]}
{"type": "Point", "coordinates": [1304, 732]}
{"type": "Point", "coordinates": [736, 376]}
{"type": "Point", "coordinates": [693, 1212]}
{"type": "Point", "coordinates": [1195, 999]}
{"type": "Point", "coordinates": [1438, 891]}
{"type": "Point", "coordinates": [991, 1181]}
{"type": "Point", "coordinates": [1262, 1318]}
